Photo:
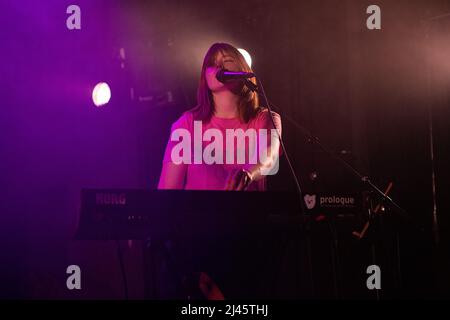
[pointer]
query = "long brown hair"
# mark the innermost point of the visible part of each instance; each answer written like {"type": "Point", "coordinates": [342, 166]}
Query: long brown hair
{"type": "Point", "coordinates": [248, 100]}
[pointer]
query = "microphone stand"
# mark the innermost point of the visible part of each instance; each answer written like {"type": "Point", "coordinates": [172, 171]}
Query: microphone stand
{"type": "Point", "coordinates": [399, 210]}
{"type": "Point", "coordinates": [371, 186]}
{"type": "Point", "coordinates": [365, 179]}
{"type": "Point", "coordinates": [260, 89]}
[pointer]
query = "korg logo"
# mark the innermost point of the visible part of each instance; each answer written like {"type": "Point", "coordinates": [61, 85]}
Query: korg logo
{"type": "Point", "coordinates": [110, 199]}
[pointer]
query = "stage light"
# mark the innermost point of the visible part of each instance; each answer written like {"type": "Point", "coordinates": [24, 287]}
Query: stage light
{"type": "Point", "coordinates": [247, 57]}
{"type": "Point", "coordinates": [101, 94]}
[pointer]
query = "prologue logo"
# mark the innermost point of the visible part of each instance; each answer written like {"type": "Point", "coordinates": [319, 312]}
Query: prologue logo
{"type": "Point", "coordinates": [310, 201]}
{"type": "Point", "coordinates": [337, 201]}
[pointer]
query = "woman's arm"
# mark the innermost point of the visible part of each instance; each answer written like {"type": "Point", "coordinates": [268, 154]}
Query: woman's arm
{"type": "Point", "coordinates": [266, 157]}
{"type": "Point", "coordinates": [172, 176]}
{"type": "Point", "coordinates": [268, 149]}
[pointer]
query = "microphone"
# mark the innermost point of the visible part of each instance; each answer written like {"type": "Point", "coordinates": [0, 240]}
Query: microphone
{"type": "Point", "coordinates": [224, 75]}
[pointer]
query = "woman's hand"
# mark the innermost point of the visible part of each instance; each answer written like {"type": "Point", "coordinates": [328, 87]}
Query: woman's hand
{"type": "Point", "coordinates": [238, 180]}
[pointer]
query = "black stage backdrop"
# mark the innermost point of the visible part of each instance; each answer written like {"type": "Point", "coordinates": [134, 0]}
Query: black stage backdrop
{"type": "Point", "coordinates": [371, 96]}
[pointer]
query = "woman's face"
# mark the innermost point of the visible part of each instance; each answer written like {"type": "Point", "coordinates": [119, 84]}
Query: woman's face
{"type": "Point", "coordinates": [222, 61]}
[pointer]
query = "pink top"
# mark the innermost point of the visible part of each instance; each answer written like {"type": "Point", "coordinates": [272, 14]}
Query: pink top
{"type": "Point", "coordinates": [214, 176]}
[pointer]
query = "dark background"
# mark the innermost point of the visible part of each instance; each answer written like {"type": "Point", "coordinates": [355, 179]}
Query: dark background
{"type": "Point", "coordinates": [369, 92]}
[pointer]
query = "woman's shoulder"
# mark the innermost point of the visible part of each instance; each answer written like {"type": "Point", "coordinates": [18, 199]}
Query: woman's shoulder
{"type": "Point", "coordinates": [185, 121]}
{"type": "Point", "coordinates": [263, 117]}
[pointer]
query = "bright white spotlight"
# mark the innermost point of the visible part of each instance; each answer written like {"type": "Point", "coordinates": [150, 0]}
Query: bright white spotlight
{"type": "Point", "coordinates": [101, 94]}
{"type": "Point", "coordinates": [247, 57]}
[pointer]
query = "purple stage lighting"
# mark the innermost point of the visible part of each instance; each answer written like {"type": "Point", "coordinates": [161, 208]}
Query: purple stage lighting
{"type": "Point", "coordinates": [101, 94]}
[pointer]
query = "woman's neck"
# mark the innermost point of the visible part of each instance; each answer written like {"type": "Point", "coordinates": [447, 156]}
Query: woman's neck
{"type": "Point", "coordinates": [226, 104]}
